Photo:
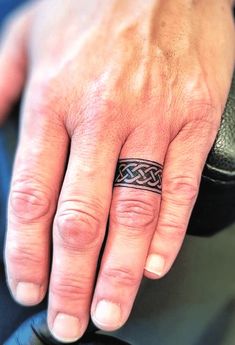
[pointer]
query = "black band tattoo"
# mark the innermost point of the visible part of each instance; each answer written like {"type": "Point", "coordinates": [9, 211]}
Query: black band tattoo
{"type": "Point", "coordinates": [139, 174]}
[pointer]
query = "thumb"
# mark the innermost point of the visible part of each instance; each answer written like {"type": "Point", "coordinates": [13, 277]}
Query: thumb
{"type": "Point", "coordinates": [13, 60]}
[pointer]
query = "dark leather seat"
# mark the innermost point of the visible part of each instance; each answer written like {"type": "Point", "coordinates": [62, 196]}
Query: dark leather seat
{"type": "Point", "coordinates": [215, 206]}
{"type": "Point", "coordinates": [34, 331]}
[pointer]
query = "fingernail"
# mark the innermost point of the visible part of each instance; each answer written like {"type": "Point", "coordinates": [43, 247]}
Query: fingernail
{"type": "Point", "coordinates": [155, 264]}
{"type": "Point", "coordinates": [28, 293]}
{"type": "Point", "coordinates": [66, 328]}
{"type": "Point", "coordinates": [107, 315]}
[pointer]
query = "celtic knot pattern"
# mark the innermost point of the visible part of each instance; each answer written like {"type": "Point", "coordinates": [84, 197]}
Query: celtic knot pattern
{"type": "Point", "coordinates": [140, 174]}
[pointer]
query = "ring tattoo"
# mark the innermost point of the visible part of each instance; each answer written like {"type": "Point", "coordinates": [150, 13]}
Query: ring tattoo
{"type": "Point", "coordinates": [140, 174]}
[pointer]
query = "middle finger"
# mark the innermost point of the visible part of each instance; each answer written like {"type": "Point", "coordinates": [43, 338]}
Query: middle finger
{"type": "Point", "coordinates": [79, 228]}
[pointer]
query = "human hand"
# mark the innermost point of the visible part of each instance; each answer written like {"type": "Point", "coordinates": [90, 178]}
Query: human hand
{"type": "Point", "coordinates": [106, 81]}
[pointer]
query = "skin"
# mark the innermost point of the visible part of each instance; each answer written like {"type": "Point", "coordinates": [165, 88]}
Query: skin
{"type": "Point", "coordinates": [105, 80]}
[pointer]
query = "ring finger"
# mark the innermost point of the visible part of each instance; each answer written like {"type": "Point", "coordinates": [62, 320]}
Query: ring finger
{"type": "Point", "coordinates": [133, 218]}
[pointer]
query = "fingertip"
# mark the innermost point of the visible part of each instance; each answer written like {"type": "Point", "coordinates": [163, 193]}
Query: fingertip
{"type": "Point", "coordinates": [155, 264]}
{"type": "Point", "coordinates": [66, 328]}
{"type": "Point", "coordinates": [153, 276]}
{"type": "Point", "coordinates": [107, 316]}
{"type": "Point", "coordinates": [26, 293]}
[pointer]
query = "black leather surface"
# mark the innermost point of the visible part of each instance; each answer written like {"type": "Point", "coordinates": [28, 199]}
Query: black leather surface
{"type": "Point", "coordinates": [34, 331]}
{"type": "Point", "coordinates": [220, 164]}
{"type": "Point", "coordinates": [215, 206]}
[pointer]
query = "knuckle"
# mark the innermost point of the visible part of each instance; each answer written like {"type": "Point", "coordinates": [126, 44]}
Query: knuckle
{"type": "Point", "coordinates": [69, 287]}
{"type": "Point", "coordinates": [29, 200]}
{"type": "Point", "coordinates": [136, 214]}
{"type": "Point", "coordinates": [171, 229]}
{"type": "Point", "coordinates": [43, 96]}
{"type": "Point", "coordinates": [96, 109]}
{"type": "Point", "coordinates": [196, 89]}
{"type": "Point", "coordinates": [23, 256]}
{"type": "Point", "coordinates": [195, 99]}
{"type": "Point", "coordinates": [203, 110]}
{"type": "Point", "coordinates": [79, 228]}
{"type": "Point", "coordinates": [121, 276]}
{"type": "Point", "coordinates": [180, 190]}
